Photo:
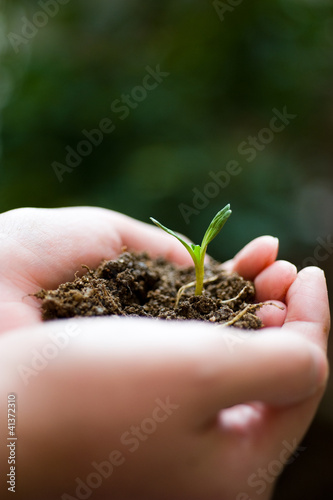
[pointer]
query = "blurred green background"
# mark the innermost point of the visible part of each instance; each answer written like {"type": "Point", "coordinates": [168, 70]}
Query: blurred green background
{"type": "Point", "coordinates": [68, 65]}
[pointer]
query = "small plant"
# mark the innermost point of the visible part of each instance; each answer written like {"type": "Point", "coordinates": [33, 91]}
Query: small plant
{"type": "Point", "coordinates": [198, 252]}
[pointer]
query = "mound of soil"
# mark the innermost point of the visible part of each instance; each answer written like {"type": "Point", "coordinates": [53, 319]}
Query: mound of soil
{"type": "Point", "coordinates": [136, 285]}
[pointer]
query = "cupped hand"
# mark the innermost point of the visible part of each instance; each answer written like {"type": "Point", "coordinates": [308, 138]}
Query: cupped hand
{"type": "Point", "coordinates": [139, 409]}
{"type": "Point", "coordinates": [41, 248]}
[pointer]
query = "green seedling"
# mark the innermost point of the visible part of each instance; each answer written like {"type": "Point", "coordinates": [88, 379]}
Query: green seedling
{"type": "Point", "coordinates": [198, 252]}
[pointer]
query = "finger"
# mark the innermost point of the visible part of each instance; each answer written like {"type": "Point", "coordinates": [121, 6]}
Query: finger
{"type": "Point", "coordinates": [274, 281]}
{"type": "Point", "coordinates": [204, 368]}
{"type": "Point", "coordinates": [272, 315]}
{"type": "Point", "coordinates": [276, 369]}
{"type": "Point", "coordinates": [308, 306]}
{"type": "Point", "coordinates": [256, 256]}
{"type": "Point", "coordinates": [307, 314]}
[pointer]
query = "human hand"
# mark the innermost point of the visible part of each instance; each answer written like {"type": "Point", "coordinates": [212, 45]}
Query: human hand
{"type": "Point", "coordinates": [111, 374]}
{"type": "Point", "coordinates": [42, 248]}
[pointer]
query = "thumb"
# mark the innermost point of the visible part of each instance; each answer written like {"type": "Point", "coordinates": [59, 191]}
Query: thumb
{"type": "Point", "coordinates": [273, 368]}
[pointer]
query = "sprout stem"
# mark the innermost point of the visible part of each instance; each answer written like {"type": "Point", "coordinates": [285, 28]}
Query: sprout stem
{"type": "Point", "coordinates": [199, 274]}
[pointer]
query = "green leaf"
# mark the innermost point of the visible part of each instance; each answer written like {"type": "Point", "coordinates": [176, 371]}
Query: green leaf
{"type": "Point", "coordinates": [191, 249]}
{"type": "Point", "coordinates": [216, 225]}
{"type": "Point", "coordinates": [197, 251]}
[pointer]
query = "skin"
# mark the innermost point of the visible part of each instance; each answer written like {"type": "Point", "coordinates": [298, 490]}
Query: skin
{"type": "Point", "coordinates": [236, 398]}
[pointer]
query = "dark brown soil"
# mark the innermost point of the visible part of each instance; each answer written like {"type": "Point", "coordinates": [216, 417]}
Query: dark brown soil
{"type": "Point", "coordinates": [136, 285]}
